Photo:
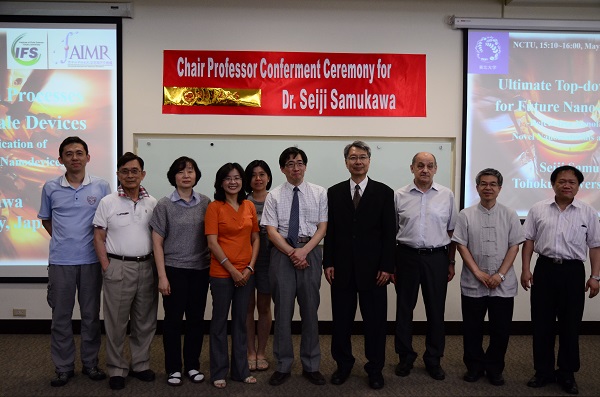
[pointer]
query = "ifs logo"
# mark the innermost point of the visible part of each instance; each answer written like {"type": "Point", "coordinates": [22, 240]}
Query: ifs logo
{"type": "Point", "coordinates": [26, 51]}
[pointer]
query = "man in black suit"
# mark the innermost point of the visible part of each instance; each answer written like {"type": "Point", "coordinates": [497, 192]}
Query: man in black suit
{"type": "Point", "coordinates": [358, 259]}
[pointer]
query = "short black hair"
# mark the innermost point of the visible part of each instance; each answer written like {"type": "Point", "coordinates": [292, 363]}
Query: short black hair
{"type": "Point", "coordinates": [250, 169]}
{"type": "Point", "coordinates": [127, 157]}
{"type": "Point", "coordinates": [558, 170]}
{"type": "Point", "coordinates": [221, 175]}
{"type": "Point", "coordinates": [70, 140]}
{"type": "Point", "coordinates": [293, 152]}
{"type": "Point", "coordinates": [179, 165]}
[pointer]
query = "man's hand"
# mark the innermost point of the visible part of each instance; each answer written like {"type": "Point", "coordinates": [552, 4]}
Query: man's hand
{"type": "Point", "coordinates": [298, 258]}
{"type": "Point", "coordinates": [329, 271]}
{"type": "Point", "coordinates": [593, 286]}
{"type": "Point", "coordinates": [382, 278]}
{"type": "Point", "coordinates": [451, 272]}
{"type": "Point", "coordinates": [482, 277]}
{"type": "Point", "coordinates": [527, 280]}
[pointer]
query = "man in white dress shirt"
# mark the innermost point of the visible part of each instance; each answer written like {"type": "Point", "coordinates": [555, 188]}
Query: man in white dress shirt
{"type": "Point", "coordinates": [561, 231]}
{"type": "Point", "coordinates": [426, 214]}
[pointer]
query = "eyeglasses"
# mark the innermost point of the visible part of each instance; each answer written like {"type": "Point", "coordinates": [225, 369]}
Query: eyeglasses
{"type": "Point", "coordinates": [493, 185]}
{"type": "Point", "coordinates": [232, 179]}
{"type": "Point", "coordinates": [133, 171]}
{"type": "Point", "coordinates": [354, 159]}
{"type": "Point", "coordinates": [291, 164]}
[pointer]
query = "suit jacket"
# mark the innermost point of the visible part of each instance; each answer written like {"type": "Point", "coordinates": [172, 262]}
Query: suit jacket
{"type": "Point", "coordinates": [360, 242]}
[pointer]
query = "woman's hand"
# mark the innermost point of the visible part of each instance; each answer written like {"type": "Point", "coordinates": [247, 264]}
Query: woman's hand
{"type": "Point", "coordinates": [163, 286]}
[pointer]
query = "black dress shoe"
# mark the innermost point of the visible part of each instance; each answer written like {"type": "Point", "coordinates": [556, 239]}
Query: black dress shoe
{"type": "Point", "coordinates": [403, 368]}
{"type": "Point", "coordinates": [94, 373]}
{"type": "Point", "coordinates": [339, 377]}
{"type": "Point", "coordinates": [146, 375]}
{"type": "Point", "coordinates": [315, 377]}
{"type": "Point", "coordinates": [62, 378]}
{"type": "Point", "coordinates": [539, 381]}
{"type": "Point", "coordinates": [376, 381]}
{"type": "Point", "coordinates": [116, 382]}
{"type": "Point", "coordinates": [436, 372]}
{"type": "Point", "coordinates": [569, 386]}
{"type": "Point", "coordinates": [278, 378]}
{"type": "Point", "coordinates": [496, 379]}
{"type": "Point", "coordinates": [473, 375]}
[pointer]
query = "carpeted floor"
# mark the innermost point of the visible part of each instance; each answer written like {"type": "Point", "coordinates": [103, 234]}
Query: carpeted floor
{"type": "Point", "coordinates": [27, 370]}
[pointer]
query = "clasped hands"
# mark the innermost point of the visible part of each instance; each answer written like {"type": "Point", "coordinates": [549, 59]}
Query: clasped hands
{"type": "Point", "coordinates": [491, 281]}
{"type": "Point", "coordinates": [240, 278]}
{"type": "Point", "coordinates": [298, 258]}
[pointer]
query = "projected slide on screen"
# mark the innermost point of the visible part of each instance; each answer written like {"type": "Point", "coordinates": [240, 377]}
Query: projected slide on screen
{"type": "Point", "coordinates": [55, 81]}
{"type": "Point", "coordinates": [533, 104]}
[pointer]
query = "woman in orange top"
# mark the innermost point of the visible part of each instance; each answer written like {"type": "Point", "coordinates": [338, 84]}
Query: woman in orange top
{"type": "Point", "coordinates": [231, 228]}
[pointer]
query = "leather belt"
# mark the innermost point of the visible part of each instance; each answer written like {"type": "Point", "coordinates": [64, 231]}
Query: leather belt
{"type": "Point", "coordinates": [304, 240]}
{"type": "Point", "coordinates": [130, 258]}
{"type": "Point", "coordinates": [423, 251]}
{"type": "Point", "coordinates": [560, 261]}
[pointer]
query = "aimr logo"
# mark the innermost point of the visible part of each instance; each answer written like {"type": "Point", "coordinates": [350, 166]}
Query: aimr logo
{"type": "Point", "coordinates": [83, 54]}
{"type": "Point", "coordinates": [25, 53]}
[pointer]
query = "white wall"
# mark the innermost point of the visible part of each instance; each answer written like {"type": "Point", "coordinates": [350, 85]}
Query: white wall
{"type": "Point", "coordinates": [369, 26]}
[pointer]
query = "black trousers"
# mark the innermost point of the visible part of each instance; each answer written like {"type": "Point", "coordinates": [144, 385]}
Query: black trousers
{"type": "Point", "coordinates": [430, 272]}
{"type": "Point", "coordinates": [373, 309]}
{"type": "Point", "coordinates": [500, 312]}
{"type": "Point", "coordinates": [558, 292]}
{"type": "Point", "coordinates": [188, 296]}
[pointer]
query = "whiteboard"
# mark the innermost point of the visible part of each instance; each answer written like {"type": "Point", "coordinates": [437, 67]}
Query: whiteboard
{"type": "Point", "coordinates": [390, 158]}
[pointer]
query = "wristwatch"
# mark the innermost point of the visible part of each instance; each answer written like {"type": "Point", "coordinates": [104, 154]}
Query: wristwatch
{"type": "Point", "coordinates": [250, 268]}
{"type": "Point", "coordinates": [597, 278]}
{"type": "Point", "coordinates": [501, 276]}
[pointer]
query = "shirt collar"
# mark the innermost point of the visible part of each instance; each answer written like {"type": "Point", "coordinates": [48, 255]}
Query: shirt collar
{"type": "Point", "coordinates": [301, 187]}
{"type": "Point", "coordinates": [175, 197]}
{"type": "Point", "coordinates": [363, 184]}
{"type": "Point", "coordinates": [87, 179]}
{"type": "Point", "coordinates": [413, 186]}
{"type": "Point", "coordinates": [141, 194]}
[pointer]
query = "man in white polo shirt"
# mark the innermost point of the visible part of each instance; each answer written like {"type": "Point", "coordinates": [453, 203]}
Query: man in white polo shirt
{"type": "Point", "coordinates": [123, 242]}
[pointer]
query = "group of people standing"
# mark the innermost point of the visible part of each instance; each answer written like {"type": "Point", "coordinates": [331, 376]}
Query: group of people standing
{"type": "Point", "coordinates": [253, 244]}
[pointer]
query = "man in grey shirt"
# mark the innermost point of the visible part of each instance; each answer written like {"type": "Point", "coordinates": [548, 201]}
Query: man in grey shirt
{"type": "Point", "coordinates": [487, 236]}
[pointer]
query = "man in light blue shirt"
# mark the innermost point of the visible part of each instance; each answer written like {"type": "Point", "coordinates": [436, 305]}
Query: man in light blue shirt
{"type": "Point", "coordinates": [425, 215]}
{"type": "Point", "coordinates": [67, 208]}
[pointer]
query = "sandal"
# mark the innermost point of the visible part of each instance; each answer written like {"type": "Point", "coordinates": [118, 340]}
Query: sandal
{"type": "Point", "coordinates": [262, 364]}
{"type": "Point", "coordinates": [250, 380]}
{"type": "Point", "coordinates": [195, 376]}
{"type": "Point", "coordinates": [220, 384]}
{"type": "Point", "coordinates": [174, 379]}
{"type": "Point", "coordinates": [252, 365]}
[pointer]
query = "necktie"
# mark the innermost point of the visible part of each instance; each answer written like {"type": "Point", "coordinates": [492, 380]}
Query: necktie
{"type": "Point", "coordinates": [294, 227]}
{"type": "Point", "coordinates": [356, 197]}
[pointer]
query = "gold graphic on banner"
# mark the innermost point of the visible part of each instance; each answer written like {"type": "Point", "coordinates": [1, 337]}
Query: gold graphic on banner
{"type": "Point", "coordinates": [203, 96]}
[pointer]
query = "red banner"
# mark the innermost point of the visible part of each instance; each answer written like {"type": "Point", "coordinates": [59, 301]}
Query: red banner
{"type": "Point", "coordinates": [294, 83]}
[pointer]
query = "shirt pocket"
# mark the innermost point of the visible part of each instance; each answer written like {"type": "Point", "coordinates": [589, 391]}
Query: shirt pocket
{"type": "Point", "coordinates": [577, 235]}
{"type": "Point", "coordinates": [123, 220]}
